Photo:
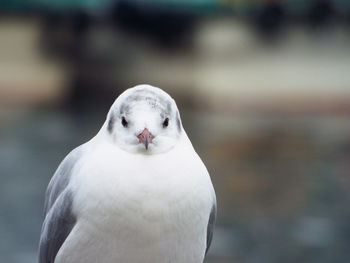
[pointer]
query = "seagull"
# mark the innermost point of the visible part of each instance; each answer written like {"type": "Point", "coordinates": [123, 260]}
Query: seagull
{"type": "Point", "coordinates": [137, 192]}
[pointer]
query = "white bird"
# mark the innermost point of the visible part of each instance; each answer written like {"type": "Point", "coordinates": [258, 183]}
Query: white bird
{"type": "Point", "coordinates": [137, 192]}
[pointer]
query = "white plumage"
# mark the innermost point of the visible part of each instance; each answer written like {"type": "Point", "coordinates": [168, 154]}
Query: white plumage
{"type": "Point", "coordinates": [119, 200]}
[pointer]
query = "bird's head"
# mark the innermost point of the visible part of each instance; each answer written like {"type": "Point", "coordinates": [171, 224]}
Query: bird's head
{"type": "Point", "coordinates": [144, 119]}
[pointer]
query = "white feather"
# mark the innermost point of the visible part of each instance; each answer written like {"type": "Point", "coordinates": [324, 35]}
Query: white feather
{"type": "Point", "coordinates": [133, 208]}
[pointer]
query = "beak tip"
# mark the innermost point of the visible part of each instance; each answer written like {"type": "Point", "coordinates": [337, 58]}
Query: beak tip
{"type": "Point", "coordinates": [145, 142]}
{"type": "Point", "coordinates": [145, 138]}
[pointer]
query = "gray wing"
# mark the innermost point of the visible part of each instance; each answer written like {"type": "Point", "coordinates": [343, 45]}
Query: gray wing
{"type": "Point", "coordinates": [58, 223]}
{"type": "Point", "coordinates": [210, 228]}
{"type": "Point", "coordinates": [59, 219]}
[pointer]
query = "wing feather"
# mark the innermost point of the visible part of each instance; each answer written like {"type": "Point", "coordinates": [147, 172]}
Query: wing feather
{"type": "Point", "coordinates": [211, 225]}
{"type": "Point", "coordinates": [59, 219]}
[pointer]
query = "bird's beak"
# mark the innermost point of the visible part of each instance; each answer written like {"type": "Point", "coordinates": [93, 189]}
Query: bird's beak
{"type": "Point", "coordinates": [145, 137]}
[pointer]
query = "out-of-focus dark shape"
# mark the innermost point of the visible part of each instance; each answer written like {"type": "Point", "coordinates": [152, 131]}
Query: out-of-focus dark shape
{"type": "Point", "coordinates": [167, 26]}
{"type": "Point", "coordinates": [270, 18]}
{"type": "Point", "coordinates": [63, 34]}
{"type": "Point", "coordinates": [321, 12]}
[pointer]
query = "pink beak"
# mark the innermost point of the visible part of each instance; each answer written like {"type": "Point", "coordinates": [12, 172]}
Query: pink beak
{"type": "Point", "coordinates": [145, 137]}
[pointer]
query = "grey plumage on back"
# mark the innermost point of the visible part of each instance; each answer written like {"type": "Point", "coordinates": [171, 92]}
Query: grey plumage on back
{"type": "Point", "coordinates": [59, 219]}
{"type": "Point", "coordinates": [210, 228]}
{"type": "Point", "coordinates": [58, 223]}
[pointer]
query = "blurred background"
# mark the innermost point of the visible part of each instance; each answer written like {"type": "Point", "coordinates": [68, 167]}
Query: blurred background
{"type": "Point", "coordinates": [264, 91]}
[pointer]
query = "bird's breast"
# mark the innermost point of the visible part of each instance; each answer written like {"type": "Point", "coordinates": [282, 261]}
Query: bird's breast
{"type": "Point", "coordinates": [155, 205]}
{"type": "Point", "coordinates": [134, 189]}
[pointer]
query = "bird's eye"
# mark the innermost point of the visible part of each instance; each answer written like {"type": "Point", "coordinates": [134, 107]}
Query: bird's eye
{"type": "Point", "coordinates": [166, 123]}
{"type": "Point", "coordinates": [124, 122]}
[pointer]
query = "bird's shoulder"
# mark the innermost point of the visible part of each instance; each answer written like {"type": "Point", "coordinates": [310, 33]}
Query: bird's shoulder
{"type": "Point", "coordinates": [59, 217]}
{"type": "Point", "coordinates": [62, 176]}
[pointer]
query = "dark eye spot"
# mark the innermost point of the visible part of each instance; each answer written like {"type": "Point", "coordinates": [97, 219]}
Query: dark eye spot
{"type": "Point", "coordinates": [166, 123]}
{"type": "Point", "coordinates": [124, 122]}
